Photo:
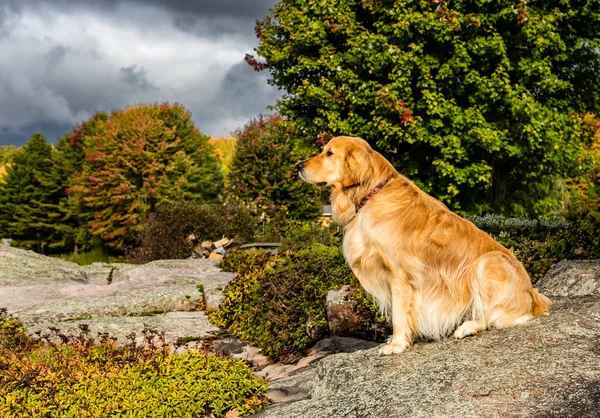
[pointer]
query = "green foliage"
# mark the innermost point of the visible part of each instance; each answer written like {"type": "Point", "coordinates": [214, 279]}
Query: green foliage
{"type": "Point", "coordinates": [81, 378]}
{"type": "Point", "coordinates": [581, 239]}
{"type": "Point", "coordinates": [133, 161]}
{"type": "Point", "coordinates": [164, 236]}
{"type": "Point", "coordinates": [12, 332]}
{"type": "Point", "coordinates": [30, 200]}
{"type": "Point", "coordinates": [95, 255]}
{"type": "Point", "coordinates": [531, 228]}
{"type": "Point", "coordinates": [480, 102]}
{"type": "Point", "coordinates": [540, 243]}
{"type": "Point", "coordinates": [245, 262]}
{"type": "Point", "coordinates": [6, 153]}
{"type": "Point", "coordinates": [275, 299]}
{"type": "Point", "coordinates": [263, 174]}
{"type": "Point", "coordinates": [302, 234]}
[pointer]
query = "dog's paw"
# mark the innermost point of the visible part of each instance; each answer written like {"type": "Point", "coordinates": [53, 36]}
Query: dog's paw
{"type": "Point", "coordinates": [463, 332]}
{"type": "Point", "coordinates": [388, 349]}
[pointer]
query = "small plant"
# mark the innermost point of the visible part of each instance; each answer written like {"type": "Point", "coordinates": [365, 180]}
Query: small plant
{"type": "Point", "coordinates": [273, 299]}
{"type": "Point", "coordinates": [58, 375]}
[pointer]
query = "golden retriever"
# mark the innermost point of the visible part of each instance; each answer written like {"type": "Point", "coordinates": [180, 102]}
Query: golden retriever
{"type": "Point", "coordinates": [429, 270]}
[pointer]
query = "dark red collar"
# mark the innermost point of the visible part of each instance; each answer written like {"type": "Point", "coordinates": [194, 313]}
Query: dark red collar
{"type": "Point", "coordinates": [372, 193]}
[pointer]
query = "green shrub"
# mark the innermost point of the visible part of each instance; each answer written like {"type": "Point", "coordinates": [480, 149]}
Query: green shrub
{"type": "Point", "coordinates": [581, 239]}
{"type": "Point", "coordinates": [531, 228]}
{"type": "Point", "coordinates": [244, 262]}
{"type": "Point", "coordinates": [81, 378]}
{"type": "Point", "coordinates": [273, 303]}
{"type": "Point", "coordinates": [165, 234]}
{"type": "Point", "coordinates": [540, 243]}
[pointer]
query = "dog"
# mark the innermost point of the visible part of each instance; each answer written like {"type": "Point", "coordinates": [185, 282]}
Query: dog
{"type": "Point", "coordinates": [432, 272]}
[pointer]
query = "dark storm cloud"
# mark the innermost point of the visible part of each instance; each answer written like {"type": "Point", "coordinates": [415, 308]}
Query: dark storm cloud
{"type": "Point", "coordinates": [211, 8]}
{"type": "Point", "coordinates": [62, 60]}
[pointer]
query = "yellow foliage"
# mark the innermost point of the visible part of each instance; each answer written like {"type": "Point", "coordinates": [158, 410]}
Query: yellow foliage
{"type": "Point", "coordinates": [225, 151]}
{"type": "Point", "coordinates": [3, 170]}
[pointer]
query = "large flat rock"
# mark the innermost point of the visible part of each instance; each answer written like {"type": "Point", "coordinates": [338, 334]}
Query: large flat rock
{"type": "Point", "coordinates": [548, 367]}
{"type": "Point", "coordinates": [44, 291]}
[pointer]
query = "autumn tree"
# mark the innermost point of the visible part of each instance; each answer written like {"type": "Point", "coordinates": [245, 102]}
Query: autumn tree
{"type": "Point", "coordinates": [263, 174]}
{"type": "Point", "coordinates": [136, 159]}
{"type": "Point", "coordinates": [69, 159]}
{"type": "Point", "coordinates": [479, 101]}
{"type": "Point", "coordinates": [30, 195]}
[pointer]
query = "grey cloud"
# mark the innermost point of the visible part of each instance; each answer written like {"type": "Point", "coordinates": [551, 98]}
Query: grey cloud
{"type": "Point", "coordinates": [137, 77]}
{"type": "Point", "coordinates": [56, 53]}
{"type": "Point", "coordinates": [244, 93]}
{"type": "Point", "coordinates": [209, 8]}
{"type": "Point", "coordinates": [74, 76]}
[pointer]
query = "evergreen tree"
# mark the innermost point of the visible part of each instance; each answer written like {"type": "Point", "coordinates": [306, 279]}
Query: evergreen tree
{"type": "Point", "coordinates": [30, 194]}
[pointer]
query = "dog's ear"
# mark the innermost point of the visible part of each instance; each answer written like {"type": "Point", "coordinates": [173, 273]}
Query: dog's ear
{"type": "Point", "coordinates": [358, 167]}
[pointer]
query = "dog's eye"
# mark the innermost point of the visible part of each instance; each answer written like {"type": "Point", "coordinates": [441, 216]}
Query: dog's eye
{"type": "Point", "coordinates": [329, 153]}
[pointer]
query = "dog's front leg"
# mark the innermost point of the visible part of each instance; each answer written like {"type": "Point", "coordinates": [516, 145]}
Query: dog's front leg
{"type": "Point", "coordinates": [402, 317]}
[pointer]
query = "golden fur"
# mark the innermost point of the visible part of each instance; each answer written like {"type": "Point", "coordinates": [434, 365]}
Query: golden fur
{"type": "Point", "coordinates": [430, 271]}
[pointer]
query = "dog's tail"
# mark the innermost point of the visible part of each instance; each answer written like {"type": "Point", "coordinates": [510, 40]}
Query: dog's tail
{"type": "Point", "coordinates": [541, 303]}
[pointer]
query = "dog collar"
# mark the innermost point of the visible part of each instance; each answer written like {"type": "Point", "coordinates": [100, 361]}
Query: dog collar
{"type": "Point", "coordinates": [372, 193]}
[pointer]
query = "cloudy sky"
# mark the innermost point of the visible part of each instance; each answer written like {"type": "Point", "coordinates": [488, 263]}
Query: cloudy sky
{"type": "Point", "coordinates": [61, 60]}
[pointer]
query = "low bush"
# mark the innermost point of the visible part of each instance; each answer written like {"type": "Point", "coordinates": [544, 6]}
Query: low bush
{"type": "Point", "coordinates": [78, 377]}
{"type": "Point", "coordinates": [276, 299]}
{"type": "Point", "coordinates": [540, 243]}
{"type": "Point", "coordinates": [165, 234]}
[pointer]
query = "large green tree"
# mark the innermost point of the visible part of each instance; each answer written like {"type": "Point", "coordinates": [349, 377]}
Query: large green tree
{"type": "Point", "coordinates": [30, 196]}
{"type": "Point", "coordinates": [135, 160]}
{"type": "Point", "coordinates": [263, 175]}
{"type": "Point", "coordinates": [479, 101]}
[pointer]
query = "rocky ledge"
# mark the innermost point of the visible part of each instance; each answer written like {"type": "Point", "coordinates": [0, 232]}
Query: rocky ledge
{"type": "Point", "coordinates": [115, 298]}
{"type": "Point", "coordinates": [547, 367]}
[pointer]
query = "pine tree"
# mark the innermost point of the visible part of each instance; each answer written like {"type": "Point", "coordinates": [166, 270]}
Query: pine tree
{"type": "Point", "coordinates": [30, 194]}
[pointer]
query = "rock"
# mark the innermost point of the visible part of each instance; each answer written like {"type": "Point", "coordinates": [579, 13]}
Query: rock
{"type": "Point", "coordinates": [213, 298]}
{"type": "Point", "coordinates": [572, 278]}
{"type": "Point", "coordinates": [220, 250]}
{"type": "Point", "coordinates": [341, 315]}
{"type": "Point", "coordinates": [44, 291]}
{"type": "Point", "coordinates": [549, 366]}
{"type": "Point", "coordinates": [289, 383]}
{"type": "Point", "coordinates": [215, 256]}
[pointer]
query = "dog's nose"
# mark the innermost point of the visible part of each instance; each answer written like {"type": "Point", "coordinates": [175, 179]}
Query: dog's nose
{"type": "Point", "coordinates": [300, 165]}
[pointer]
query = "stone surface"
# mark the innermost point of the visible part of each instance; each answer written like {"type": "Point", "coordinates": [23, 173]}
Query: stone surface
{"type": "Point", "coordinates": [341, 315]}
{"type": "Point", "coordinates": [43, 291]}
{"type": "Point", "coordinates": [548, 367]}
{"type": "Point", "coordinates": [572, 279]}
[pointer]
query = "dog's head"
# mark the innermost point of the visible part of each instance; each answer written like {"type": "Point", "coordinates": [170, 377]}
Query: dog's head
{"type": "Point", "coordinates": [345, 161]}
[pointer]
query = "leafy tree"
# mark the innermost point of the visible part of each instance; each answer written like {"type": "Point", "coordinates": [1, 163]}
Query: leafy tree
{"type": "Point", "coordinates": [263, 174]}
{"type": "Point", "coordinates": [136, 159]}
{"type": "Point", "coordinates": [225, 150]}
{"type": "Point", "coordinates": [69, 159]}
{"type": "Point", "coordinates": [479, 101]}
{"type": "Point", "coordinates": [30, 194]}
